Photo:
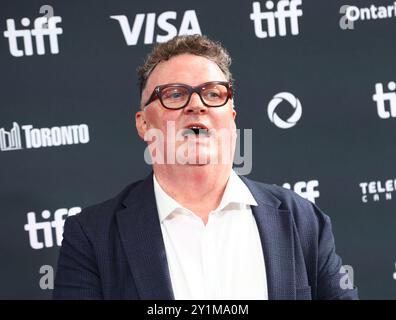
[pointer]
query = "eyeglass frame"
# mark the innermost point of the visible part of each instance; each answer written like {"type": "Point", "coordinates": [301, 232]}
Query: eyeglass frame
{"type": "Point", "coordinates": [156, 94]}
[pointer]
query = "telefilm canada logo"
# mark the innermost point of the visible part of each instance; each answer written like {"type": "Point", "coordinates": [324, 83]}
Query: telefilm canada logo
{"type": "Point", "coordinates": [376, 191]}
{"type": "Point", "coordinates": [11, 139]}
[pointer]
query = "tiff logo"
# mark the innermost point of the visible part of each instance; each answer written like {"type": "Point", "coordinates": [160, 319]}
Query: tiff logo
{"type": "Point", "coordinates": [43, 26]}
{"type": "Point", "coordinates": [284, 10]}
{"type": "Point", "coordinates": [306, 189]}
{"type": "Point", "coordinates": [10, 140]}
{"type": "Point", "coordinates": [382, 97]}
{"type": "Point", "coordinates": [33, 227]}
{"type": "Point", "coordinates": [165, 22]}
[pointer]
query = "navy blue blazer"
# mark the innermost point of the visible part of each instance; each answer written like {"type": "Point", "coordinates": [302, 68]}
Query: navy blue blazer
{"type": "Point", "coordinates": [115, 250]}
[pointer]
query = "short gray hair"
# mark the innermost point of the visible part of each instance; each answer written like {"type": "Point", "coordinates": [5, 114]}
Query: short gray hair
{"type": "Point", "coordinates": [193, 44]}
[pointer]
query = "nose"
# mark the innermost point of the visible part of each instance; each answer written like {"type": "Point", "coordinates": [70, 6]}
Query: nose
{"type": "Point", "coordinates": [195, 105]}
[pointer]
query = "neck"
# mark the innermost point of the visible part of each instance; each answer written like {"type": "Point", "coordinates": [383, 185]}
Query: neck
{"type": "Point", "coordinates": [197, 188]}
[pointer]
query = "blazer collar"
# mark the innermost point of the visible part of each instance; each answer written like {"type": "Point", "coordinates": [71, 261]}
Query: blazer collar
{"type": "Point", "coordinates": [141, 236]}
{"type": "Point", "coordinates": [277, 240]}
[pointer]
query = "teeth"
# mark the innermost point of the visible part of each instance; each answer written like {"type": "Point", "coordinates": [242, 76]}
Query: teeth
{"type": "Point", "coordinates": [196, 130]}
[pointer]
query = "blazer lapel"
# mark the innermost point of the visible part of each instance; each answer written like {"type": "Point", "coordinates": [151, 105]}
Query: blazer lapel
{"type": "Point", "coordinates": [141, 236]}
{"type": "Point", "coordinates": [276, 232]}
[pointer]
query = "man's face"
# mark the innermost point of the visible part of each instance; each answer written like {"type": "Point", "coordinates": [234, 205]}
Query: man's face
{"type": "Point", "coordinates": [200, 148]}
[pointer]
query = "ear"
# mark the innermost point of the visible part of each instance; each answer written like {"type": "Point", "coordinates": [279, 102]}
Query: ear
{"type": "Point", "coordinates": [234, 113]}
{"type": "Point", "coordinates": [141, 124]}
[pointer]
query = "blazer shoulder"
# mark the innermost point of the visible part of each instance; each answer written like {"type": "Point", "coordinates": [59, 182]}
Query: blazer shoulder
{"type": "Point", "coordinates": [283, 198]}
{"type": "Point", "coordinates": [305, 213]}
{"type": "Point", "coordinates": [102, 214]}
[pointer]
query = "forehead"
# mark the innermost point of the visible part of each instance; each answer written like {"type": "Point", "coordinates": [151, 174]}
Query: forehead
{"type": "Point", "coordinates": [185, 68]}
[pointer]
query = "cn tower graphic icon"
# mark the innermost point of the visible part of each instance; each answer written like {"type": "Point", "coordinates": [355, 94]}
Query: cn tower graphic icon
{"type": "Point", "coordinates": [10, 140]}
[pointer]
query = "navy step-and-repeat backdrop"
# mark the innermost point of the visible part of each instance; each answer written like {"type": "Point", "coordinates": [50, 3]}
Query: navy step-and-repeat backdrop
{"type": "Point", "coordinates": [315, 96]}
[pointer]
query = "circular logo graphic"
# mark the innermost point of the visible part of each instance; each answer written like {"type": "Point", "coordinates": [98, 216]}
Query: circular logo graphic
{"type": "Point", "coordinates": [293, 119]}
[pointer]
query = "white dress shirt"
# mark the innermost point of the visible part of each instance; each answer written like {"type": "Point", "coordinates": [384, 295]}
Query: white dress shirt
{"type": "Point", "coordinates": [220, 260]}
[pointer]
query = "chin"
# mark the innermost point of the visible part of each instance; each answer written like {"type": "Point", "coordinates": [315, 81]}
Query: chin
{"type": "Point", "coordinates": [200, 158]}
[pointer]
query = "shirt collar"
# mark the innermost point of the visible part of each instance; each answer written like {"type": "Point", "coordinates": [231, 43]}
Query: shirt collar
{"type": "Point", "coordinates": [165, 203]}
{"type": "Point", "coordinates": [236, 191]}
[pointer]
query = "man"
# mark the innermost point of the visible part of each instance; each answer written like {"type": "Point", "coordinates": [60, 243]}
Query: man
{"type": "Point", "coordinates": [194, 229]}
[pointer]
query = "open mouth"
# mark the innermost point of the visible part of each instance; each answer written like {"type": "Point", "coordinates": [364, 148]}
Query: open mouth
{"type": "Point", "coordinates": [196, 130]}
